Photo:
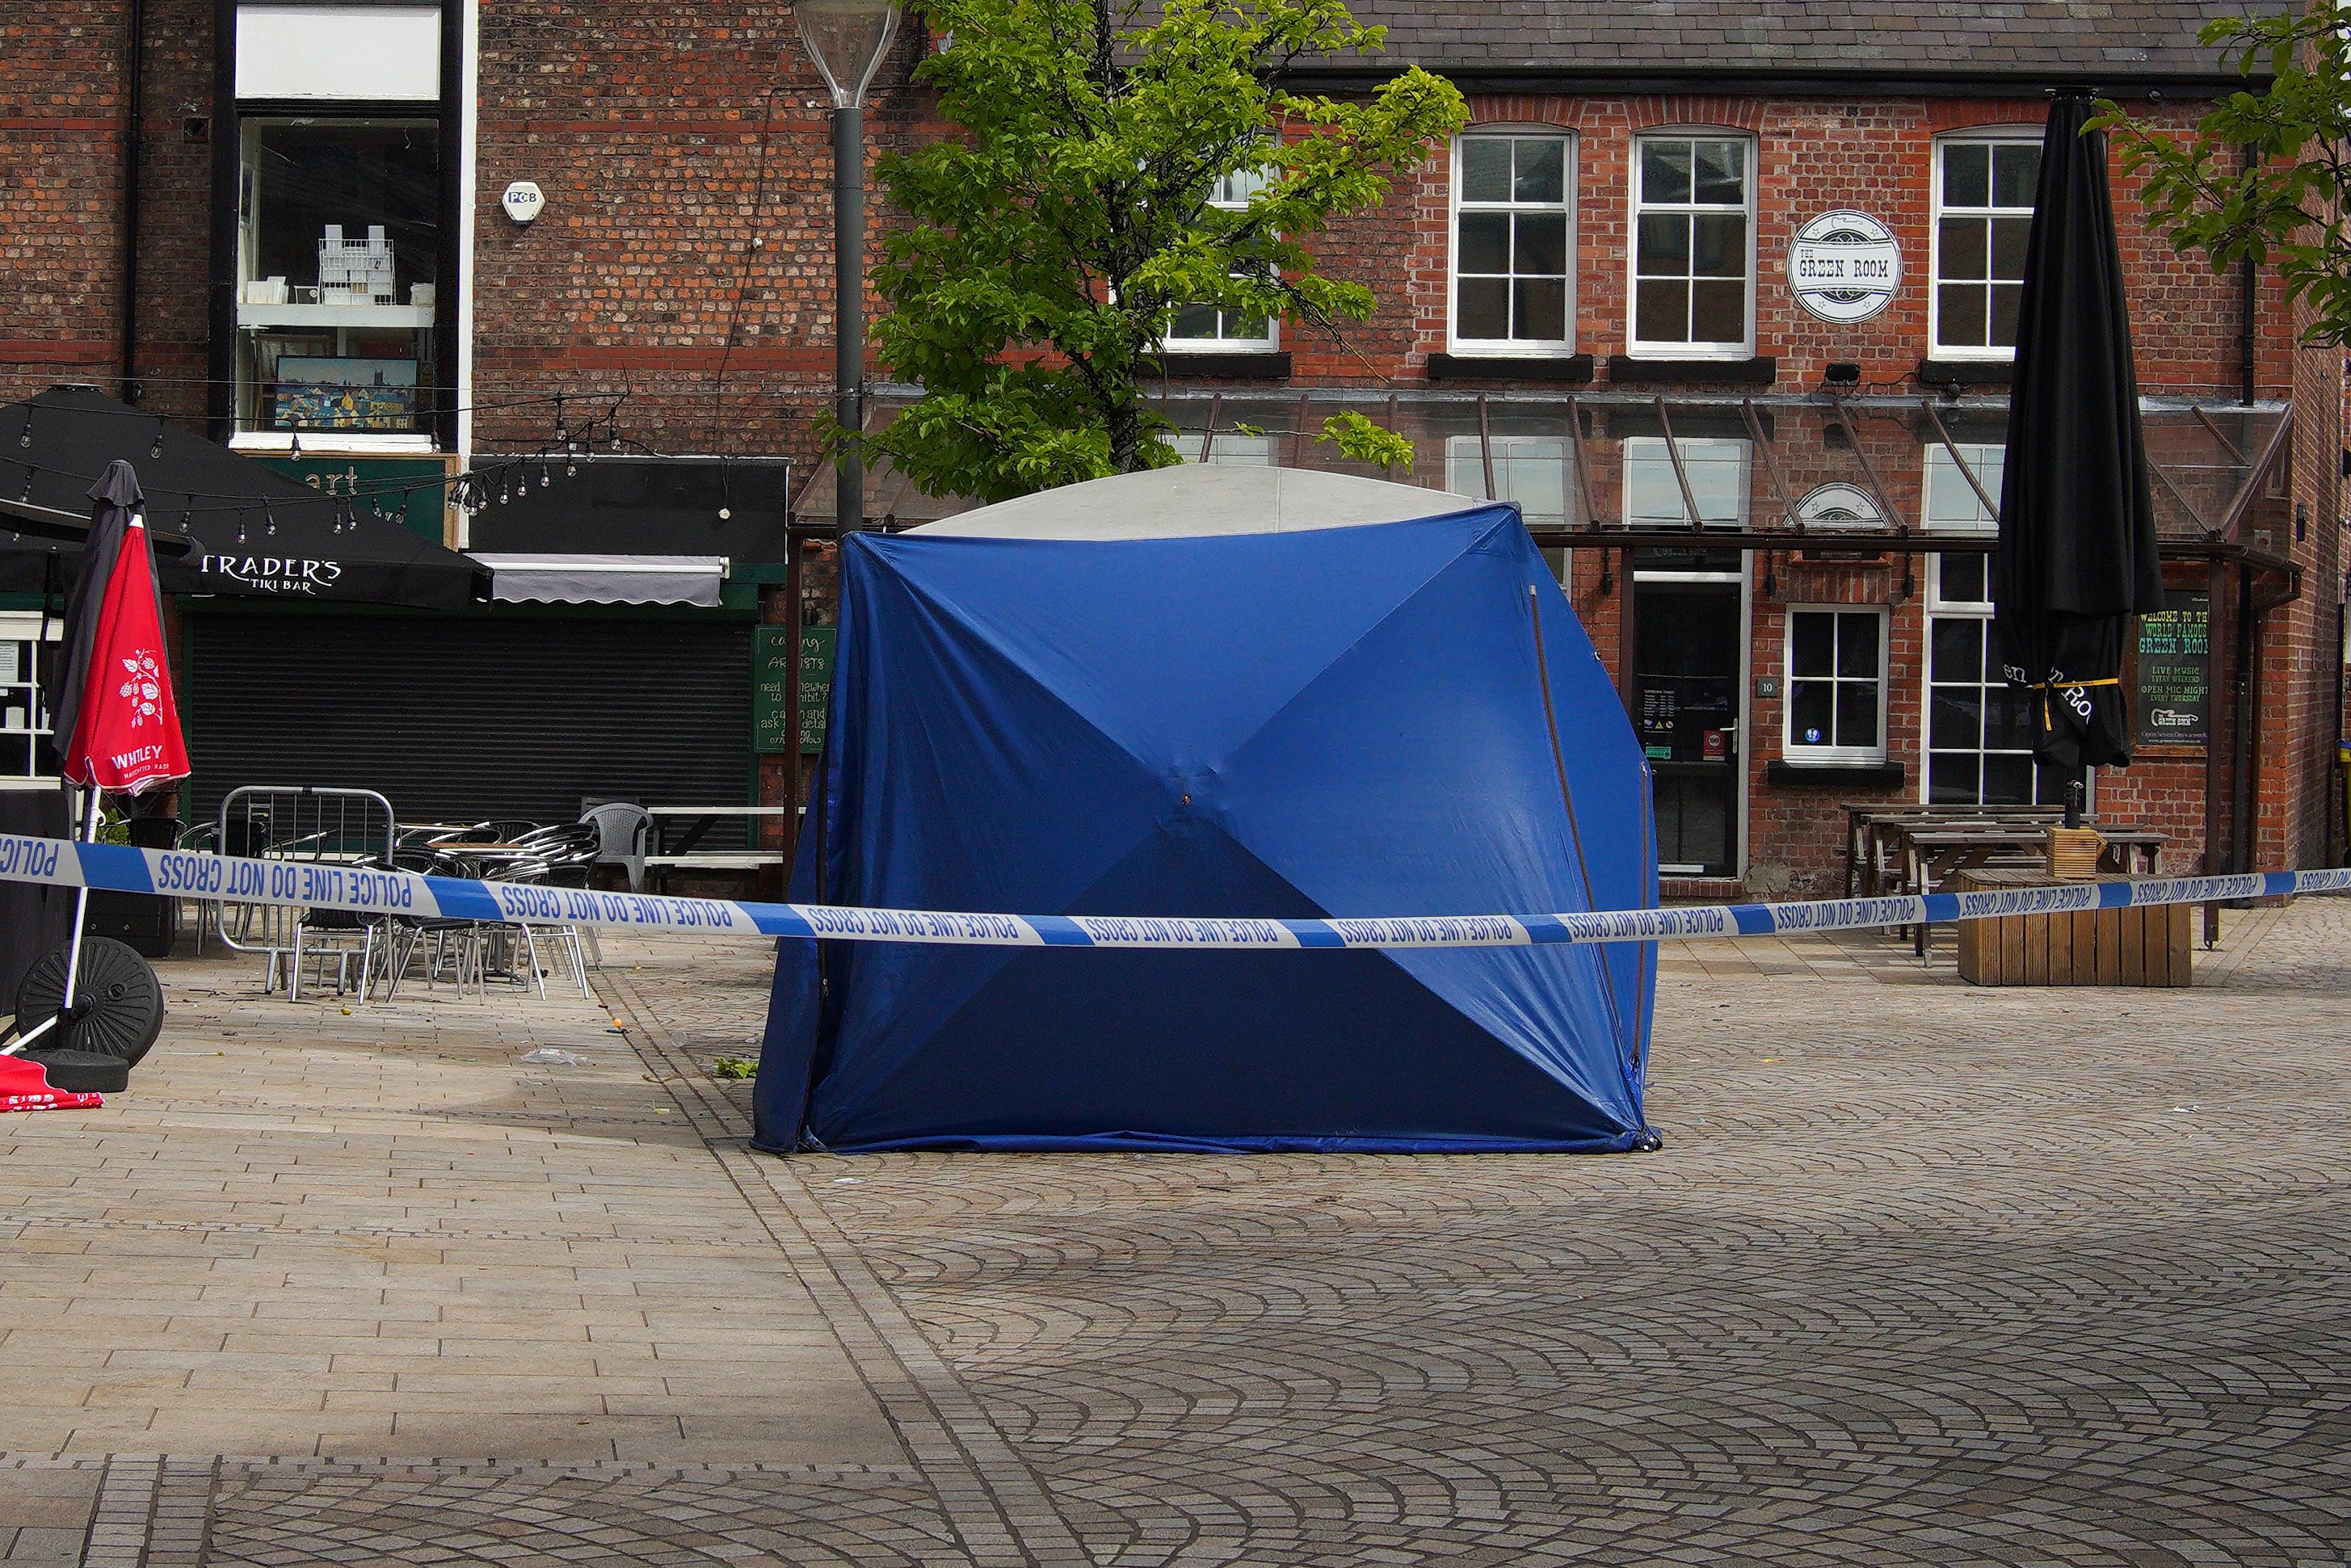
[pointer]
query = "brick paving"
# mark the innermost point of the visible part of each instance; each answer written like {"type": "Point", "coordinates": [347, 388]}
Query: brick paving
{"type": "Point", "coordinates": [1925, 1274]}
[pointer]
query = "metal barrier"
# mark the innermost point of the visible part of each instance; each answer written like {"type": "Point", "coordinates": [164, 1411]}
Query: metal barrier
{"type": "Point", "coordinates": [313, 824]}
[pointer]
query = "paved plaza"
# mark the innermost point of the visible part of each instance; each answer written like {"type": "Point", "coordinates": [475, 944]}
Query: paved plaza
{"type": "Point", "coordinates": [1924, 1274]}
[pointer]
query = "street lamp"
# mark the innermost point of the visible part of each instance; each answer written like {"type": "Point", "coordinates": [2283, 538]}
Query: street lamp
{"type": "Point", "coordinates": [846, 39]}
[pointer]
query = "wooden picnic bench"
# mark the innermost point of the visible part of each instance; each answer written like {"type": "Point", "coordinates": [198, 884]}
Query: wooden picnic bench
{"type": "Point", "coordinates": [1868, 827]}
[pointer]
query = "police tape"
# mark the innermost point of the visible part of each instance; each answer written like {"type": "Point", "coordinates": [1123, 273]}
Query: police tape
{"type": "Point", "coordinates": [319, 885]}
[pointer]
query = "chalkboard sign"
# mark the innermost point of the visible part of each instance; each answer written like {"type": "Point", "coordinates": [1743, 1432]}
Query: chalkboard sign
{"type": "Point", "coordinates": [816, 685]}
{"type": "Point", "coordinates": [770, 669]}
{"type": "Point", "coordinates": [2175, 672]}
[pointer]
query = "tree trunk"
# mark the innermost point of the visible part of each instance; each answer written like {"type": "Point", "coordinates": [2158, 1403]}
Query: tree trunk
{"type": "Point", "coordinates": [1125, 437]}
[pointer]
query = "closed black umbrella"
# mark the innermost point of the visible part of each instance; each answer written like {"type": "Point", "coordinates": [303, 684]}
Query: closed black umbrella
{"type": "Point", "coordinates": [2077, 559]}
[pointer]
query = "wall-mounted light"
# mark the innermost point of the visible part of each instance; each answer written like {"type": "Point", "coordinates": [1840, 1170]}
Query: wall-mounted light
{"type": "Point", "coordinates": [1842, 376]}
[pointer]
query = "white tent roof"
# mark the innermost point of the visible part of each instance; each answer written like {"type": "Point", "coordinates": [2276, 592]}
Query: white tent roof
{"type": "Point", "coordinates": [1195, 498]}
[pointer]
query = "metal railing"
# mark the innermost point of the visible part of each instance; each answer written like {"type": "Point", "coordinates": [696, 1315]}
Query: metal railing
{"type": "Point", "coordinates": [300, 822]}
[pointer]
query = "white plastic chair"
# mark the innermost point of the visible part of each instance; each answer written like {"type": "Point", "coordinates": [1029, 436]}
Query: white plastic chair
{"type": "Point", "coordinates": [621, 831]}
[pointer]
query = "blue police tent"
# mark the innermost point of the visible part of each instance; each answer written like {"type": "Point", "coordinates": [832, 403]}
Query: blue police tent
{"type": "Point", "coordinates": [1211, 691]}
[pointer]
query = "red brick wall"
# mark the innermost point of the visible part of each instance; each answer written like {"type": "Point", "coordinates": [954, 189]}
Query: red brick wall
{"type": "Point", "coordinates": [1814, 157]}
{"type": "Point", "coordinates": [61, 113]}
{"type": "Point", "coordinates": [62, 102]}
{"type": "Point", "coordinates": [642, 125]}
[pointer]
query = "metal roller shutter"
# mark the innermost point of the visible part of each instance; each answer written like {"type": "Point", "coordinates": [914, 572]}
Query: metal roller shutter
{"type": "Point", "coordinates": [460, 720]}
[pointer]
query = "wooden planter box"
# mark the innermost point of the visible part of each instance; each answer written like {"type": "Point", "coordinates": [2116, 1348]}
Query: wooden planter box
{"type": "Point", "coordinates": [2092, 947]}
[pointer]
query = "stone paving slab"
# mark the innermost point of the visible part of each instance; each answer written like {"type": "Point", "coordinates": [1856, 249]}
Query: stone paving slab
{"type": "Point", "coordinates": [1925, 1274]}
{"type": "Point", "coordinates": [317, 1229]}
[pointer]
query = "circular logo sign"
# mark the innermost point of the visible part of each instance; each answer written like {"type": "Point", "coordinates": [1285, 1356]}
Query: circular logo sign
{"type": "Point", "coordinates": [1844, 267]}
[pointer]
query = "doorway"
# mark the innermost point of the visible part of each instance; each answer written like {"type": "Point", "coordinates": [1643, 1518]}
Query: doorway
{"type": "Point", "coordinates": [1690, 639]}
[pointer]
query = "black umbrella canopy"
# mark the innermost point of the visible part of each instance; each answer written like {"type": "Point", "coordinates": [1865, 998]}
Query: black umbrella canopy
{"type": "Point", "coordinates": [113, 499]}
{"type": "Point", "coordinates": [256, 533]}
{"type": "Point", "coordinates": [2077, 558]}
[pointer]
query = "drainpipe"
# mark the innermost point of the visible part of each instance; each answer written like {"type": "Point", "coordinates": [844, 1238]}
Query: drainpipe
{"type": "Point", "coordinates": [220, 353]}
{"type": "Point", "coordinates": [2250, 303]}
{"type": "Point", "coordinates": [134, 91]}
{"type": "Point", "coordinates": [2240, 796]}
{"type": "Point", "coordinates": [2216, 601]}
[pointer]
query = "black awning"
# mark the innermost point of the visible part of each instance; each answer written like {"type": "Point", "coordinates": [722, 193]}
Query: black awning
{"type": "Point", "coordinates": [254, 532]}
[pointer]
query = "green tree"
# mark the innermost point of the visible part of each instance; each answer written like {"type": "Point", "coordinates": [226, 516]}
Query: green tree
{"type": "Point", "coordinates": [1053, 239]}
{"type": "Point", "coordinates": [2286, 204]}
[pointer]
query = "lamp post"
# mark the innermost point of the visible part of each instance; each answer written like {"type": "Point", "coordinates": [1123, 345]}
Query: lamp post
{"type": "Point", "coordinates": [846, 40]}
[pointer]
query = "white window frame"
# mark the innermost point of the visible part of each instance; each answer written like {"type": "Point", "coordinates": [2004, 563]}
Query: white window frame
{"type": "Point", "coordinates": [1637, 347]}
{"type": "Point", "coordinates": [1225, 199]}
{"type": "Point", "coordinates": [1510, 348]}
{"type": "Point", "coordinates": [1465, 471]}
{"type": "Point", "coordinates": [1652, 448]}
{"type": "Point", "coordinates": [1233, 449]}
{"type": "Point", "coordinates": [1795, 750]}
{"type": "Point", "coordinates": [25, 626]}
{"type": "Point", "coordinates": [1465, 474]}
{"type": "Point", "coordinates": [1982, 136]}
{"type": "Point", "coordinates": [1982, 615]}
{"type": "Point", "coordinates": [1987, 459]}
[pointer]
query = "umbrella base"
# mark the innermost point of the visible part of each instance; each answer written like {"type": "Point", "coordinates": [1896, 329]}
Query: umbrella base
{"type": "Point", "coordinates": [83, 1072]}
{"type": "Point", "coordinates": [118, 1003]}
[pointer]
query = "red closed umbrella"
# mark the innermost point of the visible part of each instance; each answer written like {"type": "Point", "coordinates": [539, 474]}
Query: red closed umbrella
{"type": "Point", "coordinates": [122, 728]}
{"type": "Point", "coordinates": [25, 1086]}
{"type": "Point", "coordinates": [124, 733]}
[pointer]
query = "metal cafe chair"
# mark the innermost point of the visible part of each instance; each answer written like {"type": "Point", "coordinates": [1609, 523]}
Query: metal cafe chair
{"type": "Point", "coordinates": [442, 939]}
{"type": "Point", "coordinates": [569, 853]}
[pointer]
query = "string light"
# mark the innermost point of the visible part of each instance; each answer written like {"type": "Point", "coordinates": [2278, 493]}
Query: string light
{"type": "Point", "coordinates": [272, 517]}
{"type": "Point", "coordinates": [578, 444]}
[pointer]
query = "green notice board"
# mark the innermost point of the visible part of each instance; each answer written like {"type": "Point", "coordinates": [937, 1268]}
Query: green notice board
{"type": "Point", "coordinates": [771, 668]}
{"type": "Point", "coordinates": [2175, 672]}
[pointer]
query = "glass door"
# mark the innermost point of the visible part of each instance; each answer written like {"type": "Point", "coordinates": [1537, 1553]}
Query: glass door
{"type": "Point", "coordinates": [25, 667]}
{"type": "Point", "coordinates": [1685, 687]}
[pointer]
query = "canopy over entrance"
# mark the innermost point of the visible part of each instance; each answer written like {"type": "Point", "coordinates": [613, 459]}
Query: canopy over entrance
{"type": "Point", "coordinates": [1202, 692]}
{"type": "Point", "coordinates": [254, 533]}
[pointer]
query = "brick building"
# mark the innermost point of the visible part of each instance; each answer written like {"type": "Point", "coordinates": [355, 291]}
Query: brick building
{"type": "Point", "coordinates": [1590, 303]}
